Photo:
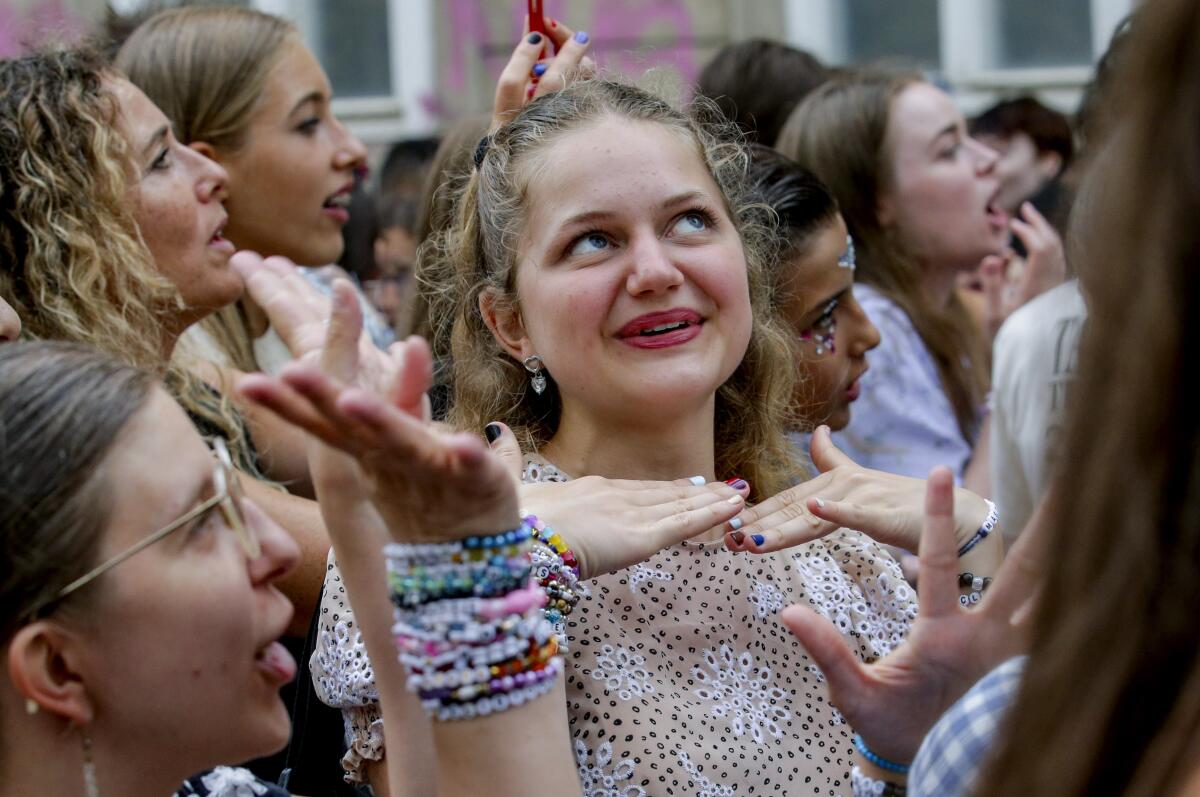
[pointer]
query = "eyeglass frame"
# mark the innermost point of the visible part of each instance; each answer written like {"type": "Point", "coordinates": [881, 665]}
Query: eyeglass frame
{"type": "Point", "coordinates": [228, 496]}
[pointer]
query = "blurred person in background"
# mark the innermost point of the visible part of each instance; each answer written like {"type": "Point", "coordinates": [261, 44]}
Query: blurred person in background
{"type": "Point", "coordinates": [758, 82]}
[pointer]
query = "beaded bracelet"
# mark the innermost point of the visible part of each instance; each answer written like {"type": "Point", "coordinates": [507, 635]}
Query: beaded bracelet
{"type": "Point", "coordinates": [882, 763]}
{"type": "Point", "coordinates": [976, 586]}
{"type": "Point", "coordinates": [501, 702]}
{"type": "Point", "coordinates": [862, 785]}
{"type": "Point", "coordinates": [471, 627]}
{"type": "Point", "coordinates": [557, 570]}
{"type": "Point", "coordinates": [989, 523]}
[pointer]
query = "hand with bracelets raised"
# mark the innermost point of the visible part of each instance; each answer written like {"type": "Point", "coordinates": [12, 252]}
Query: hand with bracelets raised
{"type": "Point", "coordinates": [892, 703]}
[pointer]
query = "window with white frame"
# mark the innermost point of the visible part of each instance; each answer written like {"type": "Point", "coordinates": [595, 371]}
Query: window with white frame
{"type": "Point", "coordinates": [983, 48]}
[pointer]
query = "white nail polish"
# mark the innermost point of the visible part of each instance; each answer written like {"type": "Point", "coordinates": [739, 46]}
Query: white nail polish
{"type": "Point", "coordinates": [735, 524]}
{"type": "Point", "coordinates": [699, 481]}
{"type": "Point", "coordinates": [737, 499]}
{"type": "Point", "coordinates": [821, 502]}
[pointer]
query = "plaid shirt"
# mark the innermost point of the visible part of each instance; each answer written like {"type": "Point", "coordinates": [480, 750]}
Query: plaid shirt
{"type": "Point", "coordinates": [956, 749]}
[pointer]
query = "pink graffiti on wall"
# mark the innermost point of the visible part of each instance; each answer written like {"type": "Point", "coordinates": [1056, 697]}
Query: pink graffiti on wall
{"type": "Point", "coordinates": [35, 23]}
{"type": "Point", "coordinates": [623, 21]}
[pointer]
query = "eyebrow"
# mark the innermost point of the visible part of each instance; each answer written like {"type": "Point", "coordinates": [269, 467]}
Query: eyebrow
{"type": "Point", "coordinates": [312, 96]}
{"type": "Point", "coordinates": [159, 135]}
{"type": "Point", "coordinates": [597, 215]}
{"type": "Point", "coordinates": [950, 129]}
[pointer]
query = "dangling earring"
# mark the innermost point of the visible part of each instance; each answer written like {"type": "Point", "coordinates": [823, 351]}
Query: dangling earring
{"type": "Point", "coordinates": [90, 788]}
{"type": "Point", "coordinates": [537, 380]}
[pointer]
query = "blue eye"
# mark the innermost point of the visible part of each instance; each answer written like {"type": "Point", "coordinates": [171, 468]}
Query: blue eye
{"type": "Point", "coordinates": [690, 223]}
{"type": "Point", "coordinates": [589, 244]}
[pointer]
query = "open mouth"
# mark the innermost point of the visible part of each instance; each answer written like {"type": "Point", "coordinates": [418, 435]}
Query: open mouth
{"type": "Point", "coordinates": [218, 237]}
{"type": "Point", "coordinates": [339, 200]}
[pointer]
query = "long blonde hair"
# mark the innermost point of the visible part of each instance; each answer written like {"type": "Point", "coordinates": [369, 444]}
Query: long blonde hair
{"type": "Point", "coordinates": [74, 265]}
{"type": "Point", "coordinates": [205, 67]}
{"type": "Point", "coordinates": [839, 133]}
{"type": "Point", "coordinates": [480, 252]}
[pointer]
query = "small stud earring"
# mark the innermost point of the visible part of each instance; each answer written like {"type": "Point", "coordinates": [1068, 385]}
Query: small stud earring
{"type": "Point", "coordinates": [537, 379]}
{"type": "Point", "coordinates": [31, 706]}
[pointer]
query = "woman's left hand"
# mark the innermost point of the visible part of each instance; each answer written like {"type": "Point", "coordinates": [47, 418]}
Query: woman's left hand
{"type": "Point", "coordinates": [886, 507]}
{"type": "Point", "coordinates": [301, 314]}
{"type": "Point", "coordinates": [895, 701]}
{"type": "Point", "coordinates": [427, 486]}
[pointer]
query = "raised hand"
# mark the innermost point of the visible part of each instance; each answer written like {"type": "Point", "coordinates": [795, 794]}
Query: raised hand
{"type": "Point", "coordinates": [895, 701]}
{"type": "Point", "coordinates": [519, 82]}
{"type": "Point", "coordinates": [427, 486]}
{"type": "Point", "coordinates": [886, 507]}
{"type": "Point", "coordinates": [300, 314]}
{"type": "Point", "coordinates": [1009, 281]}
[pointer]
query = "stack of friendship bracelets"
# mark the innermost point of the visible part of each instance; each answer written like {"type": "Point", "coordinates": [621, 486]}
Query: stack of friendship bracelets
{"type": "Point", "coordinates": [479, 622]}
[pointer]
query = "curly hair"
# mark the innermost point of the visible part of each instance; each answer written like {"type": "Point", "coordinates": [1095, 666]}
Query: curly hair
{"type": "Point", "coordinates": [65, 218]}
{"type": "Point", "coordinates": [73, 263]}
{"type": "Point", "coordinates": [479, 252]}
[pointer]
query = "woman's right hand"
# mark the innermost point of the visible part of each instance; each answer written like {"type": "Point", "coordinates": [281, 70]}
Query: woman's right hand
{"type": "Point", "coordinates": [518, 84]}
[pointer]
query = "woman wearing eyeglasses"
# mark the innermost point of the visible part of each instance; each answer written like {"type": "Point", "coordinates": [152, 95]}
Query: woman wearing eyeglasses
{"type": "Point", "coordinates": [139, 634]}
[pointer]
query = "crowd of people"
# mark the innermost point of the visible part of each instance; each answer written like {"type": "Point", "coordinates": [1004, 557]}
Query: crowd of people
{"type": "Point", "coordinates": [808, 439]}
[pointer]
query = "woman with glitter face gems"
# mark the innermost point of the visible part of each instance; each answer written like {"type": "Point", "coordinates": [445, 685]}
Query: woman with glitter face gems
{"type": "Point", "coordinates": [625, 333]}
{"type": "Point", "coordinates": [814, 293]}
{"type": "Point", "coordinates": [919, 197]}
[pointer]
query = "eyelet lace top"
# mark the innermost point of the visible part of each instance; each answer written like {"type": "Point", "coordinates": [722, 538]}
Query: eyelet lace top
{"type": "Point", "coordinates": [680, 678]}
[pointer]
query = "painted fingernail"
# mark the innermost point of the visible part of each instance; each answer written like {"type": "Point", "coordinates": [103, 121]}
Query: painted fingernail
{"type": "Point", "coordinates": [492, 431]}
{"type": "Point", "coordinates": [821, 502]}
{"type": "Point", "coordinates": [737, 484]}
{"type": "Point", "coordinates": [758, 539]}
{"type": "Point", "coordinates": [736, 523]}
{"type": "Point", "coordinates": [737, 499]}
{"type": "Point", "coordinates": [554, 23]}
{"type": "Point", "coordinates": [738, 537]}
{"type": "Point", "coordinates": [534, 38]}
{"type": "Point", "coordinates": [698, 480]}
{"type": "Point", "coordinates": [539, 70]}
{"type": "Point", "coordinates": [581, 37]}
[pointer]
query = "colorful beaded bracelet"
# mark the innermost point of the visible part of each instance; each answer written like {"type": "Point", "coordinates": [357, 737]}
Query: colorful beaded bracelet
{"type": "Point", "coordinates": [501, 702]}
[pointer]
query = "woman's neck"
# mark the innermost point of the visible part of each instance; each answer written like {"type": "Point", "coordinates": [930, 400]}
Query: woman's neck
{"type": "Point", "coordinates": [659, 449]}
{"type": "Point", "coordinates": [938, 282]}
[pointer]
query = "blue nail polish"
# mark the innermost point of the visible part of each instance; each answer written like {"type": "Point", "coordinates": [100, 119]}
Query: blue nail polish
{"type": "Point", "coordinates": [758, 539]}
{"type": "Point", "coordinates": [581, 37]}
{"type": "Point", "coordinates": [534, 38]}
{"type": "Point", "coordinates": [539, 70]}
{"type": "Point", "coordinates": [736, 523]}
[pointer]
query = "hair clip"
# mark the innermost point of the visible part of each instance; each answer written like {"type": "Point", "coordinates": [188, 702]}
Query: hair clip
{"type": "Point", "coordinates": [481, 150]}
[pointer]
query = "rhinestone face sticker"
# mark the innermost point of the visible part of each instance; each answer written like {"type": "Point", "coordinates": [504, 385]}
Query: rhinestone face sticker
{"type": "Point", "coordinates": [847, 258]}
{"type": "Point", "coordinates": [823, 332]}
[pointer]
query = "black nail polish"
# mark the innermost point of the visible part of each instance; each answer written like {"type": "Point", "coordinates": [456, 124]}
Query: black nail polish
{"type": "Point", "coordinates": [534, 38]}
{"type": "Point", "coordinates": [492, 431]}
